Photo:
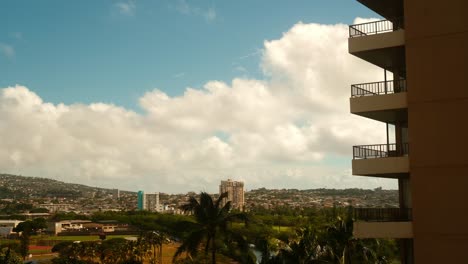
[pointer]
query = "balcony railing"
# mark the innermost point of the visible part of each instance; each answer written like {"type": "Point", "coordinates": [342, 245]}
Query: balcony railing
{"type": "Point", "coordinates": [380, 151]}
{"type": "Point", "coordinates": [383, 214]}
{"type": "Point", "coordinates": [375, 27]}
{"type": "Point", "coordinates": [378, 88]}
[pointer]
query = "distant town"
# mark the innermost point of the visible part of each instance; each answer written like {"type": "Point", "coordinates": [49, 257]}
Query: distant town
{"type": "Point", "coordinates": [40, 196]}
{"type": "Point", "coordinates": [51, 214]}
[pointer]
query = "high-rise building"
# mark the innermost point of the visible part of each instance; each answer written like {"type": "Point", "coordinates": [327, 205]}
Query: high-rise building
{"type": "Point", "coordinates": [422, 48]}
{"type": "Point", "coordinates": [235, 191]}
{"type": "Point", "coordinates": [141, 200]}
{"type": "Point", "coordinates": [149, 202]}
{"type": "Point", "coordinates": [152, 202]}
{"type": "Point", "coordinates": [115, 193]}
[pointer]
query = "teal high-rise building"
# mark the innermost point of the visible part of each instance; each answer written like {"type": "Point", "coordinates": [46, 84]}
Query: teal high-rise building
{"type": "Point", "coordinates": [141, 200]}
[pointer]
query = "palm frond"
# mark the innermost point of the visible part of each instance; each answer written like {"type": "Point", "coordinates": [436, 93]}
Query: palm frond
{"type": "Point", "coordinates": [191, 244]}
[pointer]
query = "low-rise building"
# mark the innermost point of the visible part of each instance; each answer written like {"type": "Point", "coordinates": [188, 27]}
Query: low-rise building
{"type": "Point", "coordinates": [6, 227]}
{"type": "Point", "coordinates": [67, 225]}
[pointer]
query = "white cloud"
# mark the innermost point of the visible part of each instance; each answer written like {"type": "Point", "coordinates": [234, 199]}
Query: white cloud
{"type": "Point", "coordinates": [240, 69]}
{"type": "Point", "coordinates": [127, 8]}
{"type": "Point", "coordinates": [17, 35]}
{"type": "Point", "coordinates": [208, 14]}
{"type": "Point", "coordinates": [293, 130]}
{"type": "Point", "coordinates": [361, 20]}
{"type": "Point", "coordinates": [178, 75]}
{"type": "Point", "coordinates": [7, 50]}
{"type": "Point", "coordinates": [255, 53]}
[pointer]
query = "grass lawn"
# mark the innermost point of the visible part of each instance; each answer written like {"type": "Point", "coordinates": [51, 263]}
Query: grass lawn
{"type": "Point", "coordinates": [75, 238]}
{"type": "Point", "coordinates": [168, 252]}
{"type": "Point", "coordinates": [4, 241]}
{"type": "Point", "coordinates": [44, 255]}
{"type": "Point", "coordinates": [39, 251]}
{"type": "Point", "coordinates": [284, 228]}
{"type": "Point", "coordinates": [274, 227]}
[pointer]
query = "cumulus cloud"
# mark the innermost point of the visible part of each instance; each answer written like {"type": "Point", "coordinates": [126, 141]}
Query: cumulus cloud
{"type": "Point", "coordinates": [178, 75]}
{"type": "Point", "coordinates": [17, 35]}
{"type": "Point", "coordinates": [291, 130]}
{"type": "Point", "coordinates": [7, 50]}
{"type": "Point", "coordinates": [183, 7]}
{"type": "Point", "coordinates": [361, 20]}
{"type": "Point", "coordinates": [126, 8]}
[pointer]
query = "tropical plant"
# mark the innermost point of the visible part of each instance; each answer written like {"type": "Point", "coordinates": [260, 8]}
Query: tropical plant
{"type": "Point", "coordinates": [27, 228]}
{"type": "Point", "coordinates": [343, 248]}
{"type": "Point", "coordinates": [155, 241]}
{"type": "Point", "coordinates": [331, 242]}
{"type": "Point", "coordinates": [136, 251]}
{"type": "Point", "coordinates": [8, 256]}
{"type": "Point", "coordinates": [75, 253]}
{"type": "Point", "coordinates": [210, 227]}
{"type": "Point", "coordinates": [114, 251]}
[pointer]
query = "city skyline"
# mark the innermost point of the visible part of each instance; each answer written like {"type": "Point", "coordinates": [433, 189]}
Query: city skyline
{"type": "Point", "coordinates": [111, 97]}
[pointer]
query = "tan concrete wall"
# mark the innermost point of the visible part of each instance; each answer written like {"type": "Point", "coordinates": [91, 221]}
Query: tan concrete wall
{"type": "Point", "coordinates": [382, 230]}
{"type": "Point", "coordinates": [377, 102]}
{"type": "Point", "coordinates": [377, 41]}
{"type": "Point", "coordinates": [437, 70]}
{"type": "Point", "coordinates": [380, 166]}
{"type": "Point", "coordinates": [428, 18]}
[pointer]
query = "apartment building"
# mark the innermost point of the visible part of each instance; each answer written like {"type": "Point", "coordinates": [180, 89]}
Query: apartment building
{"type": "Point", "coordinates": [54, 208]}
{"type": "Point", "coordinates": [422, 48]}
{"type": "Point", "coordinates": [235, 191]}
{"type": "Point", "coordinates": [141, 200]}
{"type": "Point", "coordinates": [149, 202]}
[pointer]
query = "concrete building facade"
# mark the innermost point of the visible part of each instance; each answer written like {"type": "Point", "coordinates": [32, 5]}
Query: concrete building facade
{"type": "Point", "coordinates": [152, 202]}
{"type": "Point", "coordinates": [149, 202]}
{"type": "Point", "coordinates": [235, 191]}
{"type": "Point", "coordinates": [54, 208]}
{"type": "Point", "coordinates": [422, 48]}
{"type": "Point", "coordinates": [7, 226]}
{"type": "Point", "coordinates": [115, 193]}
{"type": "Point", "coordinates": [141, 200]}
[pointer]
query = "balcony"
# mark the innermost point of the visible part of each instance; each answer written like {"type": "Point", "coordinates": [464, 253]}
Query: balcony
{"type": "Point", "coordinates": [378, 88]}
{"type": "Point", "coordinates": [383, 223]}
{"type": "Point", "coordinates": [382, 101]}
{"type": "Point", "coordinates": [382, 160]}
{"type": "Point", "coordinates": [380, 151]}
{"type": "Point", "coordinates": [379, 42]}
{"type": "Point", "coordinates": [383, 214]}
{"type": "Point", "coordinates": [375, 27]}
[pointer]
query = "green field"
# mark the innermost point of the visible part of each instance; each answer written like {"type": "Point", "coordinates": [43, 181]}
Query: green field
{"type": "Point", "coordinates": [75, 238]}
{"type": "Point", "coordinates": [274, 227]}
{"type": "Point", "coordinates": [38, 251]}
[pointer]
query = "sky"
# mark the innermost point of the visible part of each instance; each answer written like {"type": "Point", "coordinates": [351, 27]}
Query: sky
{"type": "Point", "coordinates": [177, 95]}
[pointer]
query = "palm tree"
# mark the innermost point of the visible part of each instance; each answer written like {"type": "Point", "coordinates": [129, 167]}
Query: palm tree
{"type": "Point", "coordinates": [212, 220]}
{"type": "Point", "coordinates": [341, 247]}
{"type": "Point", "coordinates": [137, 250]}
{"type": "Point", "coordinates": [305, 248]}
{"type": "Point", "coordinates": [155, 240]}
{"type": "Point", "coordinates": [113, 250]}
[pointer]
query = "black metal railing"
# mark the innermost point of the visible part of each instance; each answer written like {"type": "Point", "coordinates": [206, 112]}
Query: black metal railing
{"type": "Point", "coordinates": [375, 27]}
{"type": "Point", "coordinates": [383, 214]}
{"type": "Point", "coordinates": [380, 151]}
{"type": "Point", "coordinates": [378, 88]}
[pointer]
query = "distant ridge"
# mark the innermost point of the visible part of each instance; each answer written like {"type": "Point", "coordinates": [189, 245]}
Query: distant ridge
{"type": "Point", "coordinates": [22, 187]}
{"type": "Point", "coordinates": [14, 187]}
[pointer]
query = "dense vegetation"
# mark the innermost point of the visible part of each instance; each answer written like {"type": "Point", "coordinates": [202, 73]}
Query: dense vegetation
{"type": "Point", "coordinates": [278, 235]}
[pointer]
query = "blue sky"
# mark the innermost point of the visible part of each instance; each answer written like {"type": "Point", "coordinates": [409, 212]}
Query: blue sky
{"type": "Point", "coordinates": [98, 92]}
{"type": "Point", "coordinates": [114, 51]}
